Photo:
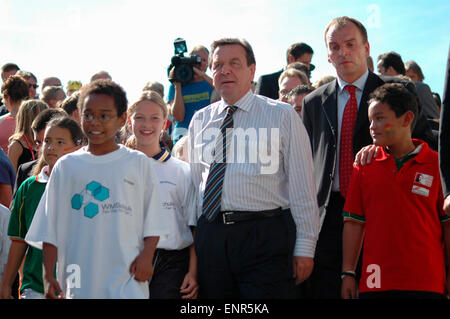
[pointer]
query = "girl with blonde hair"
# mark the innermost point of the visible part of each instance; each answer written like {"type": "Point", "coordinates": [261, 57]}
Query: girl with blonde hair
{"type": "Point", "coordinates": [22, 148]}
{"type": "Point", "coordinates": [175, 262]}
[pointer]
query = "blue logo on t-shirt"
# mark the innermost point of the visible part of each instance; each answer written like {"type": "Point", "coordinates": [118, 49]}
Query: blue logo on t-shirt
{"type": "Point", "coordinates": [94, 191]}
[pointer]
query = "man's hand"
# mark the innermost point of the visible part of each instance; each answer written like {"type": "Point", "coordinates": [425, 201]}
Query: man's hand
{"type": "Point", "coordinates": [366, 154]}
{"type": "Point", "coordinates": [303, 267]}
{"type": "Point", "coordinates": [447, 205]}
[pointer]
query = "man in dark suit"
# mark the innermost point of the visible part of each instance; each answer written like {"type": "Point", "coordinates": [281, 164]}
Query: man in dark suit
{"type": "Point", "coordinates": [444, 139]}
{"type": "Point", "coordinates": [298, 52]}
{"type": "Point", "coordinates": [331, 130]}
{"type": "Point", "coordinates": [391, 64]}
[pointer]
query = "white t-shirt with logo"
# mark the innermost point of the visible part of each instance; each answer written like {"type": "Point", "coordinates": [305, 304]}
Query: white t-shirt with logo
{"type": "Point", "coordinates": [97, 210]}
{"type": "Point", "coordinates": [178, 197]}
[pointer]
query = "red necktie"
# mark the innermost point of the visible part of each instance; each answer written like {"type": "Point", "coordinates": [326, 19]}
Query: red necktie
{"type": "Point", "coordinates": [346, 151]}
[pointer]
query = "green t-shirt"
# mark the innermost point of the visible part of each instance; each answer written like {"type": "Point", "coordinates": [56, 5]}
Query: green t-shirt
{"type": "Point", "coordinates": [24, 206]}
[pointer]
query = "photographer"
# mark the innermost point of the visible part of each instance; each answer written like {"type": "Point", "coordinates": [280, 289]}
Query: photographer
{"type": "Point", "coordinates": [185, 99]}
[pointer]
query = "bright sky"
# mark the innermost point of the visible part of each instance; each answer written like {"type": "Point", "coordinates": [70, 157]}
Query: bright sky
{"type": "Point", "coordinates": [133, 39]}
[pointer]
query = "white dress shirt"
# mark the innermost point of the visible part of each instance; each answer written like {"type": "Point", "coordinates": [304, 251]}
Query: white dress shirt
{"type": "Point", "coordinates": [270, 164]}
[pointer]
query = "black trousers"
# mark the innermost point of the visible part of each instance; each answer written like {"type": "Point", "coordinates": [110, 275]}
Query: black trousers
{"type": "Point", "coordinates": [170, 268]}
{"type": "Point", "coordinates": [325, 280]}
{"type": "Point", "coordinates": [246, 260]}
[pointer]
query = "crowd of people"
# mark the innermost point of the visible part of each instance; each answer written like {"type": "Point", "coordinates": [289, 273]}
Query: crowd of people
{"type": "Point", "coordinates": [229, 187]}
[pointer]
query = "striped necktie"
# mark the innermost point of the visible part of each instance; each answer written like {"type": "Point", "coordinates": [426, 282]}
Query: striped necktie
{"type": "Point", "coordinates": [212, 195]}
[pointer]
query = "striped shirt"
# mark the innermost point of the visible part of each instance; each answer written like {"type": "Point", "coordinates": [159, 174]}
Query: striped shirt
{"type": "Point", "coordinates": [270, 164]}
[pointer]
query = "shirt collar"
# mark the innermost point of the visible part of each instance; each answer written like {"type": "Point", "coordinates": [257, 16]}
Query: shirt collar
{"type": "Point", "coordinates": [420, 151]}
{"type": "Point", "coordinates": [43, 177]}
{"type": "Point", "coordinates": [162, 156]}
{"type": "Point", "coordinates": [244, 103]}
{"type": "Point", "coordinates": [359, 83]}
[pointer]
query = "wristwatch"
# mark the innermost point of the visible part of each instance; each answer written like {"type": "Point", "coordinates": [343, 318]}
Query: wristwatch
{"type": "Point", "coordinates": [349, 273]}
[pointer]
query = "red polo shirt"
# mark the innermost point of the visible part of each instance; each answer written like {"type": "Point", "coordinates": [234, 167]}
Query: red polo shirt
{"type": "Point", "coordinates": [402, 212]}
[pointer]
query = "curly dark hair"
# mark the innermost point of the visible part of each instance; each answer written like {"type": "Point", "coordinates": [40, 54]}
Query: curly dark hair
{"type": "Point", "coordinates": [109, 88]}
{"type": "Point", "coordinates": [16, 88]}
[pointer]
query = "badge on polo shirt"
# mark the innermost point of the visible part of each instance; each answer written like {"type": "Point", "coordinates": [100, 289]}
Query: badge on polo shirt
{"type": "Point", "coordinates": [421, 184]}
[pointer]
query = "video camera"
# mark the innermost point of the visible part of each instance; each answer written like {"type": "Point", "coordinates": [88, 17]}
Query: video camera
{"type": "Point", "coordinates": [183, 71]}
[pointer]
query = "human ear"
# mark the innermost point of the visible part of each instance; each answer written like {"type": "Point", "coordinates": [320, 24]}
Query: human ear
{"type": "Point", "coordinates": [408, 118]}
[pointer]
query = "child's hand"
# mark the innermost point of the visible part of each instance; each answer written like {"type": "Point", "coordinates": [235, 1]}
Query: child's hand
{"type": "Point", "coordinates": [348, 288]}
{"type": "Point", "coordinates": [52, 289]}
{"type": "Point", "coordinates": [5, 292]}
{"type": "Point", "coordinates": [447, 205]}
{"type": "Point", "coordinates": [142, 267]}
{"type": "Point", "coordinates": [189, 287]}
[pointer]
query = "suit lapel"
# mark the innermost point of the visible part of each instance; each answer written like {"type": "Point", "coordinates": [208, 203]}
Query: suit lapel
{"type": "Point", "coordinates": [329, 104]}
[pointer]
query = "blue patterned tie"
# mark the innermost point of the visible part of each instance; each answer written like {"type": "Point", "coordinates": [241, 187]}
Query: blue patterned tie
{"type": "Point", "coordinates": [212, 195]}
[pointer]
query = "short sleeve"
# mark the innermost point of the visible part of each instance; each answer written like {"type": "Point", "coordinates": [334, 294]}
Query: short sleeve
{"type": "Point", "coordinates": [44, 225]}
{"type": "Point", "coordinates": [353, 208]}
{"type": "Point", "coordinates": [17, 223]}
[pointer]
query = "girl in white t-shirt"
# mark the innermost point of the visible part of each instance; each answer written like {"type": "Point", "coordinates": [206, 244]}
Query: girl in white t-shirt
{"type": "Point", "coordinates": [175, 262]}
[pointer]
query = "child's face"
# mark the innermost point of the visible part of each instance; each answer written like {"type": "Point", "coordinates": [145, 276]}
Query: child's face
{"type": "Point", "coordinates": [147, 123]}
{"type": "Point", "coordinates": [386, 128]}
{"type": "Point", "coordinates": [100, 123]}
{"type": "Point", "coordinates": [57, 142]}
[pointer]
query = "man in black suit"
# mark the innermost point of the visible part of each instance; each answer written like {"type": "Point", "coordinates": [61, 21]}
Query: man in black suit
{"type": "Point", "coordinates": [323, 114]}
{"type": "Point", "coordinates": [298, 52]}
{"type": "Point", "coordinates": [444, 139]}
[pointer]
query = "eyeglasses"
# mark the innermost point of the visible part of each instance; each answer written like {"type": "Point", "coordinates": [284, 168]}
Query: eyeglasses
{"type": "Point", "coordinates": [285, 94]}
{"type": "Point", "coordinates": [34, 86]}
{"type": "Point", "coordinates": [103, 118]}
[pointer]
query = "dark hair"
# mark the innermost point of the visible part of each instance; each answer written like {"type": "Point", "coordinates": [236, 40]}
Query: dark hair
{"type": "Point", "coordinates": [45, 116]}
{"type": "Point", "coordinates": [399, 99]}
{"type": "Point", "coordinates": [70, 103]}
{"type": "Point", "coordinates": [394, 60]}
{"type": "Point", "coordinates": [16, 88]}
{"type": "Point", "coordinates": [301, 89]}
{"type": "Point", "coordinates": [70, 124]}
{"type": "Point", "coordinates": [412, 65]}
{"type": "Point", "coordinates": [297, 50]}
{"type": "Point", "coordinates": [109, 88]}
{"type": "Point", "coordinates": [437, 99]}
{"type": "Point", "coordinates": [10, 67]}
{"type": "Point", "coordinates": [340, 22]}
{"type": "Point", "coordinates": [250, 56]}
{"type": "Point", "coordinates": [75, 132]}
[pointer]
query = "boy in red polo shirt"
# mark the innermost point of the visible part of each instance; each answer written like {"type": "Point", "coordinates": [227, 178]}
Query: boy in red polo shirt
{"type": "Point", "coordinates": [395, 205]}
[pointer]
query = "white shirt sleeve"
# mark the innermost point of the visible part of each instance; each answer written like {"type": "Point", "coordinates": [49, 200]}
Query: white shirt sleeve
{"type": "Point", "coordinates": [299, 168]}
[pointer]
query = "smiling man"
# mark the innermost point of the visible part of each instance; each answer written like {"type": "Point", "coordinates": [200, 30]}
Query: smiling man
{"type": "Point", "coordinates": [258, 229]}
